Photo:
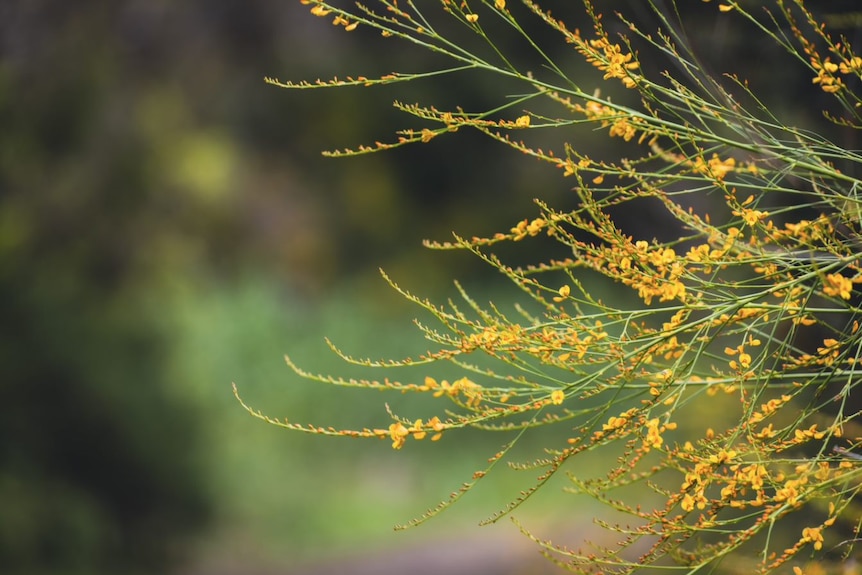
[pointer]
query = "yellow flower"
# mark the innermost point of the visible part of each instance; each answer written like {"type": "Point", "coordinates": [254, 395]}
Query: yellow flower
{"type": "Point", "coordinates": [557, 397]}
{"type": "Point", "coordinates": [719, 168]}
{"type": "Point", "coordinates": [523, 122]}
{"type": "Point", "coordinates": [398, 432]}
{"type": "Point", "coordinates": [472, 18]}
{"type": "Point", "coordinates": [417, 430]}
{"type": "Point", "coordinates": [826, 76]}
{"type": "Point", "coordinates": [813, 535]}
{"type": "Point", "coordinates": [687, 502]}
{"type": "Point", "coordinates": [617, 64]}
{"type": "Point", "coordinates": [564, 293]}
{"type": "Point", "coordinates": [437, 425]}
{"type": "Point", "coordinates": [723, 456]}
{"type": "Point", "coordinates": [623, 128]}
{"type": "Point", "coordinates": [653, 438]}
{"type": "Point", "coordinates": [751, 217]}
{"type": "Point", "coordinates": [837, 285]}
{"type": "Point", "coordinates": [500, 4]}
{"type": "Point", "coordinates": [854, 64]}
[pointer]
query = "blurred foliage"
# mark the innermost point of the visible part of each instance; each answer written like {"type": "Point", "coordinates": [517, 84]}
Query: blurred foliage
{"type": "Point", "coordinates": [291, 496]}
{"type": "Point", "coordinates": [145, 169]}
{"type": "Point", "coordinates": [153, 192]}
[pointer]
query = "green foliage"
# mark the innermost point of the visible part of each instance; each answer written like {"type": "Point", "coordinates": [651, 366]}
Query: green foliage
{"type": "Point", "coordinates": [723, 384]}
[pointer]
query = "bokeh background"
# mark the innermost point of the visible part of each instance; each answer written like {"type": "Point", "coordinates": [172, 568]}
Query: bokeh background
{"type": "Point", "coordinates": [168, 227]}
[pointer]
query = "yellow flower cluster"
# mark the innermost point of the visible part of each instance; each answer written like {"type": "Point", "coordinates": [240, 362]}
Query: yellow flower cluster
{"type": "Point", "coordinates": [837, 285]}
{"type": "Point", "coordinates": [493, 338]}
{"type": "Point", "coordinates": [528, 228]}
{"type": "Point", "coordinates": [813, 535]}
{"type": "Point", "coordinates": [472, 391]}
{"type": "Point", "coordinates": [827, 71]}
{"type": "Point", "coordinates": [767, 409]}
{"type": "Point", "coordinates": [621, 125]}
{"type": "Point", "coordinates": [321, 11]}
{"type": "Point", "coordinates": [826, 77]}
{"type": "Point", "coordinates": [398, 432]}
{"type": "Point", "coordinates": [743, 359]}
{"type": "Point", "coordinates": [612, 61]}
{"type": "Point", "coordinates": [616, 422]}
{"type": "Point", "coordinates": [654, 429]}
{"type": "Point", "coordinates": [715, 167]}
{"type": "Point", "coordinates": [653, 272]}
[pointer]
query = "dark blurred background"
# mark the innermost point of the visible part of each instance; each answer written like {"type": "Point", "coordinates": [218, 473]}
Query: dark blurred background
{"type": "Point", "coordinates": [168, 226]}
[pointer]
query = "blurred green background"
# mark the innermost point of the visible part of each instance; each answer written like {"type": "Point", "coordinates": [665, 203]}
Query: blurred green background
{"type": "Point", "coordinates": [168, 226]}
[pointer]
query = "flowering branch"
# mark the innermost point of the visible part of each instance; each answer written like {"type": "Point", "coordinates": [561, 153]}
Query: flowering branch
{"type": "Point", "coordinates": [701, 385]}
